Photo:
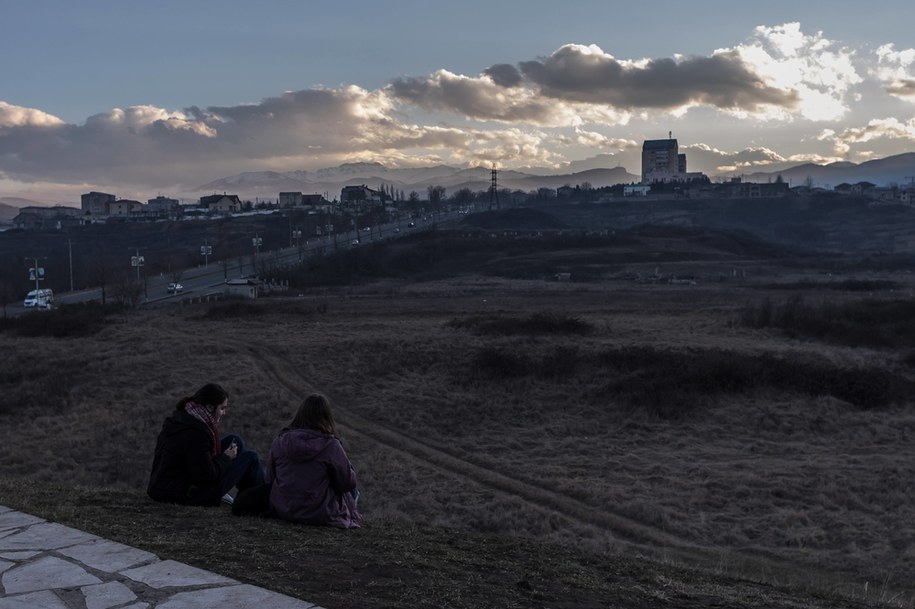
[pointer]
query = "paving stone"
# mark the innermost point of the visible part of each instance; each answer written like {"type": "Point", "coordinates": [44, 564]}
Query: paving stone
{"type": "Point", "coordinates": [169, 573]}
{"type": "Point", "coordinates": [137, 606]}
{"type": "Point", "coordinates": [103, 596]}
{"type": "Point", "coordinates": [35, 600]}
{"type": "Point", "coordinates": [45, 536]}
{"type": "Point", "coordinates": [106, 555]}
{"type": "Point", "coordinates": [234, 597]}
{"type": "Point", "coordinates": [4, 565]}
{"type": "Point", "coordinates": [23, 555]}
{"type": "Point", "coordinates": [46, 574]}
{"type": "Point", "coordinates": [14, 520]}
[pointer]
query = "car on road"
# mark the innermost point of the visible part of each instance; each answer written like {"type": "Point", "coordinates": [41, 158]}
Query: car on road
{"type": "Point", "coordinates": [175, 288]}
{"type": "Point", "coordinates": [355, 242]}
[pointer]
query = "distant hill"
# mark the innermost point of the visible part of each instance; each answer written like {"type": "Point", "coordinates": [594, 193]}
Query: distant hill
{"type": "Point", "coordinates": [10, 206]}
{"type": "Point", "coordinates": [267, 184]}
{"type": "Point", "coordinates": [898, 169]}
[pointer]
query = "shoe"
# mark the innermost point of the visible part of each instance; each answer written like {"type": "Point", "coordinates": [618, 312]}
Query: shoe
{"type": "Point", "coordinates": [228, 499]}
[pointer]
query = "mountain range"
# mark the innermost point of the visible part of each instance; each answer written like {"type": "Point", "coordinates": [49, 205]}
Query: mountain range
{"type": "Point", "coordinates": [375, 175]}
{"type": "Point", "coordinates": [266, 185]}
{"type": "Point", "coordinates": [898, 169]}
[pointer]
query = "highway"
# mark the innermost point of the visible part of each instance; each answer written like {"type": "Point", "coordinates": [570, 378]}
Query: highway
{"type": "Point", "coordinates": [211, 278]}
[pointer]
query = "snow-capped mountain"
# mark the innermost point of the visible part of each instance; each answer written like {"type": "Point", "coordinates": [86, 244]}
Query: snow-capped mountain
{"type": "Point", "coordinates": [267, 184]}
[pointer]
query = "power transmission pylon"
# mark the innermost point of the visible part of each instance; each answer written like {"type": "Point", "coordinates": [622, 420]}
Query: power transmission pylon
{"type": "Point", "coordinates": [494, 190]}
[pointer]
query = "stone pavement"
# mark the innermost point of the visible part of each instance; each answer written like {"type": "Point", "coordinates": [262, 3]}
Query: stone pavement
{"type": "Point", "coordinates": [44, 565]}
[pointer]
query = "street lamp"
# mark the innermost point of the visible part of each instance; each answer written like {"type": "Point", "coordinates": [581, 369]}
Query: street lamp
{"type": "Point", "coordinates": [297, 235]}
{"type": "Point", "coordinates": [257, 242]}
{"type": "Point", "coordinates": [137, 261]}
{"type": "Point", "coordinates": [140, 261]}
{"type": "Point", "coordinates": [206, 250]}
{"type": "Point", "coordinates": [36, 273]}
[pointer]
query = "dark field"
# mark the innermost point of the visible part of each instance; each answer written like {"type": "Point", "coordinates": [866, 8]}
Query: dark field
{"type": "Point", "coordinates": [740, 437]}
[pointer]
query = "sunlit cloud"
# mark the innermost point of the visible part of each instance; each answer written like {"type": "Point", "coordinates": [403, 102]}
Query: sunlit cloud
{"type": "Point", "coordinates": [878, 128]}
{"type": "Point", "coordinates": [896, 70]}
{"type": "Point", "coordinates": [820, 72]}
{"type": "Point", "coordinates": [17, 116]}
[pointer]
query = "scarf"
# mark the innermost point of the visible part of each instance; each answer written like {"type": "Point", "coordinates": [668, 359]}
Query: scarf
{"type": "Point", "coordinates": [202, 413]}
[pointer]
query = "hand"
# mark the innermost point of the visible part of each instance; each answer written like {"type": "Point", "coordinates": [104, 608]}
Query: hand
{"type": "Point", "coordinates": [232, 451]}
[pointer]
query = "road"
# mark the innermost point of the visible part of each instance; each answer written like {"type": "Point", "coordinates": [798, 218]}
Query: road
{"type": "Point", "coordinates": [202, 280]}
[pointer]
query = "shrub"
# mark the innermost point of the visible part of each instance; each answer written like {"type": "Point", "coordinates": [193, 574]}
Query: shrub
{"type": "Point", "coordinates": [498, 363]}
{"type": "Point", "coordinates": [69, 320]}
{"type": "Point", "coordinates": [870, 322]}
{"type": "Point", "coordinates": [538, 323]}
{"type": "Point", "coordinates": [670, 384]}
{"type": "Point", "coordinates": [233, 310]}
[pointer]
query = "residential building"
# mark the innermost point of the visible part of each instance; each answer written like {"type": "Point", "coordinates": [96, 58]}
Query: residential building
{"type": "Point", "coordinates": [55, 218]}
{"type": "Point", "coordinates": [124, 207]}
{"type": "Point", "coordinates": [636, 190]}
{"type": "Point", "coordinates": [221, 204]}
{"type": "Point", "coordinates": [290, 199]}
{"type": "Point", "coordinates": [96, 203]}
{"type": "Point", "coordinates": [659, 157]}
{"type": "Point", "coordinates": [163, 205]}
{"type": "Point", "coordinates": [662, 162]}
{"type": "Point", "coordinates": [359, 198]}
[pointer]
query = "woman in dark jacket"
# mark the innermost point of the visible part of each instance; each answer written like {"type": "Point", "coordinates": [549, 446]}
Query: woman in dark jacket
{"type": "Point", "coordinates": [193, 464]}
{"type": "Point", "coordinates": [311, 478]}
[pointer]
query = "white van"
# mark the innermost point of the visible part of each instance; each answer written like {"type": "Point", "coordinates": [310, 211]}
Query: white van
{"type": "Point", "coordinates": [39, 298]}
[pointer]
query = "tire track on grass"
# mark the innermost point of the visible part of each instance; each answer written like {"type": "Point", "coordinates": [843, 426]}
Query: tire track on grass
{"type": "Point", "coordinates": [667, 546]}
{"type": "Point", "coordinates": [622, 527]}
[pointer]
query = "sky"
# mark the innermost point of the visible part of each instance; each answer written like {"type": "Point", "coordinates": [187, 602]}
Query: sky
{"type": "Point", "coordinates": [146, 98]}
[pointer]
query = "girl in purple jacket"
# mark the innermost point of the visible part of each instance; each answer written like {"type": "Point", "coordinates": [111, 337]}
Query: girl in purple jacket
{"type": "Point", "coordinates": [310, 475]}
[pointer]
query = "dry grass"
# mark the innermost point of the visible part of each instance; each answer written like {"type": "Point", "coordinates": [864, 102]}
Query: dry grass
{"type": "Point", "coordinates": [655, 425]}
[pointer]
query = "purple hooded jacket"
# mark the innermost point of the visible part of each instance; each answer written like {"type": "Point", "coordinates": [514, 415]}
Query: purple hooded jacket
{"type": "Point", "coordinates": [311, 479]}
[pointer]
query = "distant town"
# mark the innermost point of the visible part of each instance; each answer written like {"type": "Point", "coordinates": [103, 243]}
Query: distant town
{"type": "Point", "coordinates": [664, 175]}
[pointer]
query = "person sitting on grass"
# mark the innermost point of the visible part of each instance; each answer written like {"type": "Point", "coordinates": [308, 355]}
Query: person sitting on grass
{"type": "Point", "coordinates": [311, 479]}
{"type": "Point", "coordinates": [193, 464]}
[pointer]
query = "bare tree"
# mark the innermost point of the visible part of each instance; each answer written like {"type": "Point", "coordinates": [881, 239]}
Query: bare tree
{"type": "Point", "coordinates": [436, 194]}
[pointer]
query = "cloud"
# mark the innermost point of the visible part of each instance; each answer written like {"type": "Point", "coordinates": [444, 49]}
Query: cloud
{"type": "Point", "coordinates": [896, 70]}
{"type": "Point", "coordinates": [145, 145]}
{"type": "Point", "coordinates": [820, 73]}
{"type": "Point", "coordinates": [711, 160]}
{"type": "Point", "coordinates": [878, 128]}
{"type": "Point", "coordinates": [587, 74]}
{"type": "Point", "coordinates": [17, 116]}
{"type": "Point", "coordinates": [484, 98]}
{"type": "Point", "coordinates": [578, 84]}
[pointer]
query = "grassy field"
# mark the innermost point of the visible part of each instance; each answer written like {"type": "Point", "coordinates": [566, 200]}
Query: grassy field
{"type": "Point", "coordinates": [520, 442]}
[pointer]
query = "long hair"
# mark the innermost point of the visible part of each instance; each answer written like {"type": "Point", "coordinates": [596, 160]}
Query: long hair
{"type": "Point", "coordinates": [210, 395]}
{"type": "Point", "coordinates": [315, 413]}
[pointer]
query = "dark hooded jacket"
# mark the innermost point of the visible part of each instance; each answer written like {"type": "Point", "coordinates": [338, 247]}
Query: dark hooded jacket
{"type": "Point", "coordinates": [184, 469]}
{"type": "Point", "coordinates": [311, 479]}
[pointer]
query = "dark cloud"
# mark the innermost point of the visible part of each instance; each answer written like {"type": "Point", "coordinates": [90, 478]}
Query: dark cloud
{"type": "Point", "coordinates": [722, 80]}
{"type": "Point", "coordinates": [504, 75]}
{"type": "Point", "coordinates": [902, 88]}
{"type": "Point", "coordinates": [477, 98]}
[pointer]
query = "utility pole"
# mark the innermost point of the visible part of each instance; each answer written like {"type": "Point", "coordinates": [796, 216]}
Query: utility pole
{"type": "Point", "coordinates": [70, 248]}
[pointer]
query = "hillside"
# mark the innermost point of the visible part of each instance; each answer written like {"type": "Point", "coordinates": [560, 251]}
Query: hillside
{"type": "Point", "coordinates": [619, 439]}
